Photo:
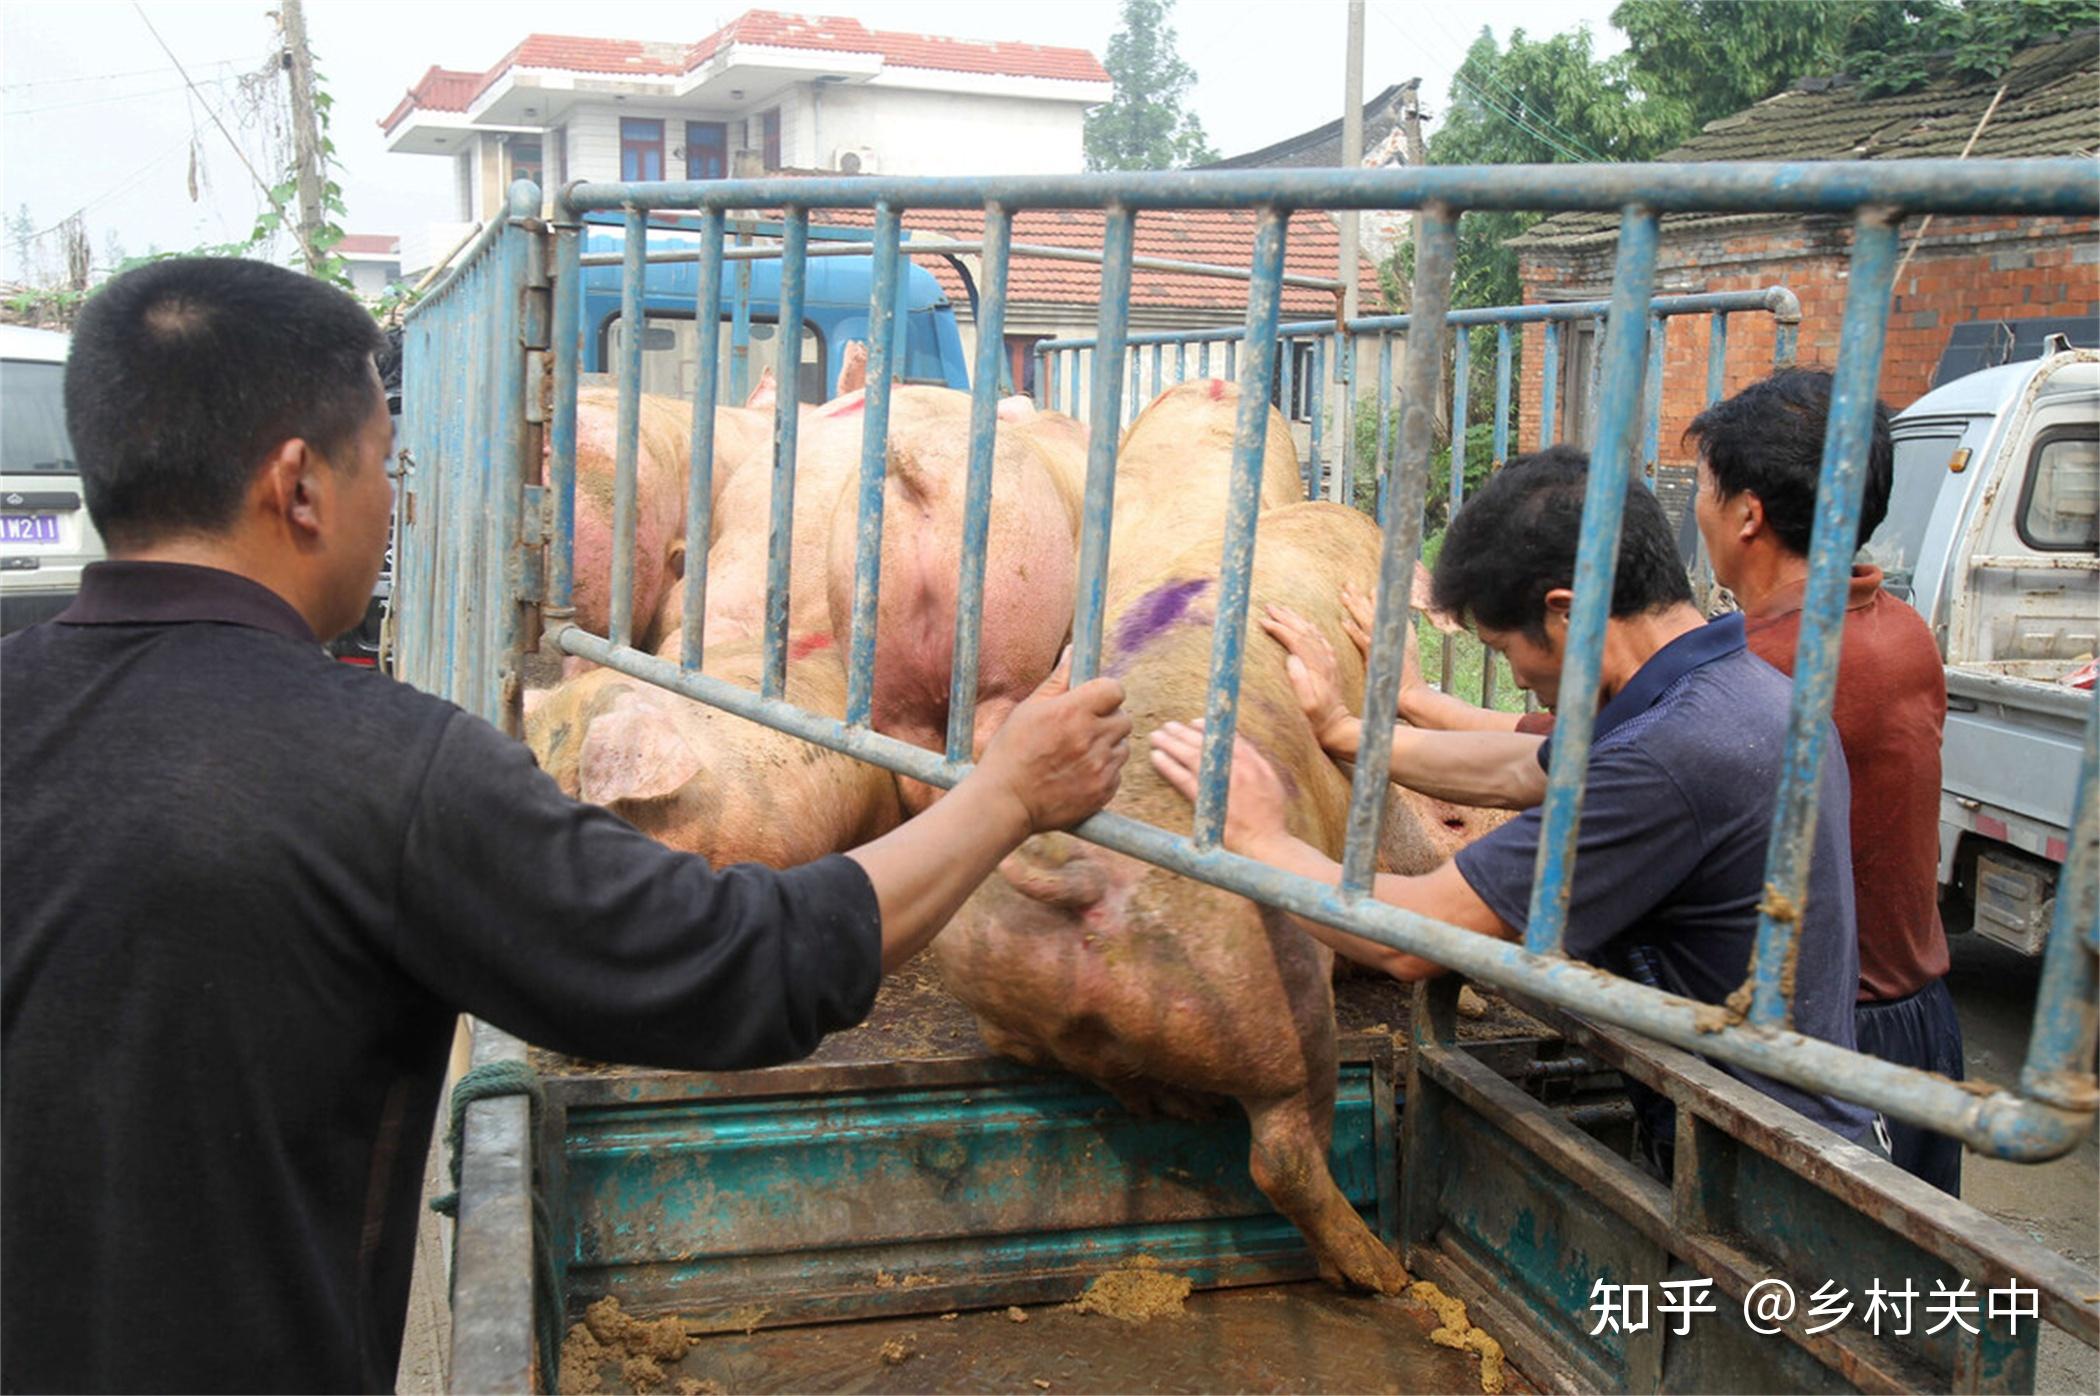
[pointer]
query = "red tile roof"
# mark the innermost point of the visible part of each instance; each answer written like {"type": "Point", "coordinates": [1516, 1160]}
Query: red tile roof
{"type": "Point", "coordinates": [1223, 237]}
{"type": "Point", "coordinates": [370, 244]}
{"type": "Point", "coordinates": [439, 89]}
{"type": "Point", "coordinates": [839, 34]}
{"type": "Point", "coordinates": [444, 89]}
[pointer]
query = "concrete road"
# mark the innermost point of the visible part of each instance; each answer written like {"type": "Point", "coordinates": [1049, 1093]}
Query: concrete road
{"type": "Point", "coordinates": [2057, 1203]}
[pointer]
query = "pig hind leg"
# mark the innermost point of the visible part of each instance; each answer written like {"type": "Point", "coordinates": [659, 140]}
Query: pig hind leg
{"type": "Point", "coordinates": [1157, 1100]}
{"type": "Point", "coordinates": [1289, 1164]}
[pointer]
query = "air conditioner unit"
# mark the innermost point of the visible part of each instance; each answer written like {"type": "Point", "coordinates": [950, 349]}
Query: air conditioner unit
{"type": "Point", "coordinates": [855, 159]}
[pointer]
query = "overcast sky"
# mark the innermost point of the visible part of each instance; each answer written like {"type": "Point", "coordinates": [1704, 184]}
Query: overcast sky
{"type": "Point", "coordinates": [97, 118]}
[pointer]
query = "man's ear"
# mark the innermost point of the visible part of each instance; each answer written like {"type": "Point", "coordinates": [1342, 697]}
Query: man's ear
{"type": "Point", "coordinates": [286, 489]}
{"type": "Point", "coordinates": [1750, 515]}
{"type": "Point", "coordinates": [1559, 601]}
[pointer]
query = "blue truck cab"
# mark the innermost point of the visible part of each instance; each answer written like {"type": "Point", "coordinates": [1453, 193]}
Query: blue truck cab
{"type": "Point", "coordinates": [834, 314]}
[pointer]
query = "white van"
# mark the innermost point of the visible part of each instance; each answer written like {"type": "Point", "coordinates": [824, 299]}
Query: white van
{"type": "Point", "coordinates": [45, 536]}
{"type": "Point", "coordinates": [1993, 534]}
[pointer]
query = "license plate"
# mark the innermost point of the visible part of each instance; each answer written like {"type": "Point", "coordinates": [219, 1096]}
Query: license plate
{"type": "Point", "coordinates": [28, 528]}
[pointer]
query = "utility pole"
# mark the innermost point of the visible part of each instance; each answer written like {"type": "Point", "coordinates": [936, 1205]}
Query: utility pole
{"type": "Point", "coordinates": [306, 142]}
{"type": "Point", "coordinates": [1342, 391]}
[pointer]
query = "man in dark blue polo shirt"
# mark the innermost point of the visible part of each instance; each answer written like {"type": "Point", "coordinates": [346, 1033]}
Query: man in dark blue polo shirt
{"type": "Point", "coordinates": [1689, 741]}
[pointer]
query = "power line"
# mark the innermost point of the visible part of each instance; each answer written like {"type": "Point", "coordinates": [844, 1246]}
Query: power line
{"type": "Point", "coordinates": [1516, 102]}
{"type": "Point", "coordinates": [122, 186]}
{"type": "Point", "coordinates": [115, 97]}
{"type": "Point", "coordinates": [104, 77]}
{"type": "Point", "coordinates": [1510, 116]}
{"type": "Point", "coordinates": [260, 183]}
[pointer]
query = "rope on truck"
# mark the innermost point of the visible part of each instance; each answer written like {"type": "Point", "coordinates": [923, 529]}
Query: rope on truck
{"type": "Point", "coordinates": [491, 1081]}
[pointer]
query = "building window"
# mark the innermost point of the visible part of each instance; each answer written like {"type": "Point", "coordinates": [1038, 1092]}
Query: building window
{"type": "Point", "coordinates": [463, 184]}
{"type": "Point", "coordinates": [1020, 361]}
{"type": "Point", "coordinates": [706, 150]}
{"type": "Point", "coordinates": [769, 127]}
{"type": "Point", "coordinates": [641, 148]}
{"type": "Point", "coordinates": [525, 161]}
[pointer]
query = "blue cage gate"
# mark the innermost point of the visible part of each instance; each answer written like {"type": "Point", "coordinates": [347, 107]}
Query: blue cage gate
{"type": "Point", "coordinates": [486, 570]}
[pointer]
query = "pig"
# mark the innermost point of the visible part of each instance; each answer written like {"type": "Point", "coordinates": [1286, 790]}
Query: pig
{"type": "Point", "coordinates": [704, 781]}
{"type": "Point", "coordinates": [662, 459]}
{"type": "Point", "coordinates": [660, 479]}
{"type": "Point", "coordinates": [1168, 992]}
{"type": "Point", "coordinates": [827, 455]}
{"type": "Point", "coordinates": [853, 376]}
{"type": "Point", "coordinates": [1173, 476]}
{"type": "Point", "coordinates": [1028, 580]}
{"type": "Point", "coordinates": [1027, 572]}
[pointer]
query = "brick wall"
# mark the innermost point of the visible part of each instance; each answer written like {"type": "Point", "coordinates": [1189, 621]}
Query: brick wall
{"type": "Point", "coordinates": [1964, 269]}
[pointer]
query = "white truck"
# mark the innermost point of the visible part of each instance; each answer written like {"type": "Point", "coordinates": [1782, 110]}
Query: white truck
{"type": "Point", "coordinates": [1993, 534]}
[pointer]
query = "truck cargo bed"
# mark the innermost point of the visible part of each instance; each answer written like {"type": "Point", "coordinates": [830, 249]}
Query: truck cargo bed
{"type": "Point", "coordinates": [1302, 1337]}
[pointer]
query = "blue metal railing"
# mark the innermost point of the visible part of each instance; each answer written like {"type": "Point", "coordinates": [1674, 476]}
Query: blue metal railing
{"type": "Point", "coordinates": [1059, 359]}
{"type": "Point", "coordinates": [482, 335]}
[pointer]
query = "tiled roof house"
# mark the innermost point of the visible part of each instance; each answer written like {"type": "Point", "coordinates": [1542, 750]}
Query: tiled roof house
{"type": "Point", "coordinates": [1961, 270]}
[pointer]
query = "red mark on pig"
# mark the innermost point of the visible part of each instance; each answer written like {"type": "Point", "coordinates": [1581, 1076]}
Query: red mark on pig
{"type": "Point", "coordinates": [1155, 611]}
{"type": "Point", "coordinates": [808, 645]}
{"type": "Point", "coordinates": [1217, 390]}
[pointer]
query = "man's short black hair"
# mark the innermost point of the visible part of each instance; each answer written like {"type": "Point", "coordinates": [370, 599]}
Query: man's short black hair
{"type": "Point", "coordinates": [185, 374]}
{"type": "Point", "coordinates": [1768, 439]}
{"type": "Point", "coordinates": [1515, 541]}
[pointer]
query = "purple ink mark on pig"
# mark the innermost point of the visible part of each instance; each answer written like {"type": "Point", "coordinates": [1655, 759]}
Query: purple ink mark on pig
{"type": "Point", "coordinates": [1155, 611]}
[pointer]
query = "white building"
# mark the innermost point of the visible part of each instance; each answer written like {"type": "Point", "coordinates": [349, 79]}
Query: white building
{"type": "Point", "coordinates": [373, 259]}
{"type": "Point", "coordinates": [767, 91]}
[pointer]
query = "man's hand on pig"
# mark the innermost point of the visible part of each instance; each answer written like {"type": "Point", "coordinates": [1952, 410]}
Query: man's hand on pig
{"type": "Point", "coordinates": [1315, 677]}
{"type": "Point", "coordinates": [1061, 753]}
{"type": "Point", "coordinates": [1255, 813]}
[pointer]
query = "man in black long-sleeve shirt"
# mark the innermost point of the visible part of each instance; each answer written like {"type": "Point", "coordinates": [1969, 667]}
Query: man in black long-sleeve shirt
{"type": "Point", "coordinates": [248, 889]}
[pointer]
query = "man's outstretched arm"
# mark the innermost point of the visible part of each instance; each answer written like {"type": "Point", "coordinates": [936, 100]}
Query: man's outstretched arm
{"type": "Point", "coordinates": [1255, 828]}
{"type": "Point", "coordinates": [1056, 760]}
{"type": "Point", "coordinates": [1493, 769]}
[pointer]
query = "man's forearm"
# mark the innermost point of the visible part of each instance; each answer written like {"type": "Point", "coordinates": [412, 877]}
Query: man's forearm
{"type": "Point", "coordinates": [1444, 712]}
{"type": "Point", "coordinates": [1297, 856]}
{"type": "Point", "coordinates": [1495, 770]}
{"type": "Point", "coordinates": [926, 868]}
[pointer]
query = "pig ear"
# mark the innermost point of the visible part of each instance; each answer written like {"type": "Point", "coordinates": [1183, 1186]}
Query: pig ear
{"type": "Point", "coordinates": [633, 752]}
{"type": "Point", "coordinates": [1057, 870]}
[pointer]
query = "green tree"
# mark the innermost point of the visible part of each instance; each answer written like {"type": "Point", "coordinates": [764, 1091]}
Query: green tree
{"type": "Point", "coordinates": [1897, 47]}
{"type": "Point", "coordinates": [1711, 58]}
{"type": "Point", "coordinates": [1706, 59]}
{"type": "Point", "coordinates": [1144, 126]}
{"type": "Point", "coordinates": [1538, 101]}
{"type": "Point", "coordinates": [21, 236]}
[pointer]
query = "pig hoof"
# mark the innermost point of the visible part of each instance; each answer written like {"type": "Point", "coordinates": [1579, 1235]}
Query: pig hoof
{"type": "Point", "coordinates": [1368, 1266]}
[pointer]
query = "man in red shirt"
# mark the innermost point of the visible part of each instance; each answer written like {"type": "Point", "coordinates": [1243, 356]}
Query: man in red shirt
{"type": "Point", "coordinates": [1760, 456]}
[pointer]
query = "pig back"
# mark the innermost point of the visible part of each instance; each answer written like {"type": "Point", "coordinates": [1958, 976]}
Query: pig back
{"type": "Point", "coordinates": [1174, 479]}
{"type": "Point", "coordinates": [1159, 641]}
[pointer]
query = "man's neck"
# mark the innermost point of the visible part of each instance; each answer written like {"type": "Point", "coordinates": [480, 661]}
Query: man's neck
{"type": "Point", "coordinates": [1633, 641]}
{"type": "Point", "coordinates": [226, 554]}
{"type": "Point", "coordinates": [1764, 571]}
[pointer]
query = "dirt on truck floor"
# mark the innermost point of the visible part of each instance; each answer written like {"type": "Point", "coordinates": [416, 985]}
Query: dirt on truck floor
{"type": "Point", "coordinates": [1281, 1338]}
